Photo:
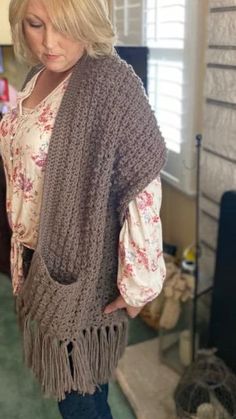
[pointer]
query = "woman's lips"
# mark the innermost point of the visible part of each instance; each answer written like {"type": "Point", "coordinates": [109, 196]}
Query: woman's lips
{"type": "Point", "coordinates": [52, 57]}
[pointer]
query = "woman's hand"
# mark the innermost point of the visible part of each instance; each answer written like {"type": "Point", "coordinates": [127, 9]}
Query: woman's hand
{"type": "Point", "coordinates": [120, 303]}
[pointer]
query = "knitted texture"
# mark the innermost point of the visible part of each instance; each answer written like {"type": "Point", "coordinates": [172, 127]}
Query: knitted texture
{"type": "Point", "coordinates": [105, 148]}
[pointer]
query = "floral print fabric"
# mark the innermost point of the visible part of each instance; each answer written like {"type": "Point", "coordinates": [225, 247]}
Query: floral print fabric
{"type": "Point", "coordinates": [141, 269]}
{"type": "Point", "coordinates": [24, 141]}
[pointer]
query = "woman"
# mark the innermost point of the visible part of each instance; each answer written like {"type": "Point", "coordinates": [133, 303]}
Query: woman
{"type": "Point", "coordinates": [82, 154]}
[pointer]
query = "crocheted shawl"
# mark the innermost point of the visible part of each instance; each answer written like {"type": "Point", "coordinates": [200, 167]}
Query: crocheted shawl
{"type": "Point", "coordinates": [105, 148]}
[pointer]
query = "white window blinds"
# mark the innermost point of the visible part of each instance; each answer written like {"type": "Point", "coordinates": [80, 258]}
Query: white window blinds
{"type": "Point", "coordinates": [165, 23]}
{"type": "Point", "coordinates": [128, 20]}
{"type": "Point", "coordinates": [169, 29]}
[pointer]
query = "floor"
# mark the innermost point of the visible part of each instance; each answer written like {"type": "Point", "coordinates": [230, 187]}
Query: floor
{"type": "Point", "coordinates": [150, 387]}
{"type": "Point", "coordinates": [20, 397]}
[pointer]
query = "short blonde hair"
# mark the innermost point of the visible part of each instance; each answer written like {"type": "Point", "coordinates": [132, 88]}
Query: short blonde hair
{"type": "Point", "coordinates": [86, 21]}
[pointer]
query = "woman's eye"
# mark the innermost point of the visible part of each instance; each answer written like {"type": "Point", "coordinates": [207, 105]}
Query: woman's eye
{"type": "Point", "coordinates": [35, 25]}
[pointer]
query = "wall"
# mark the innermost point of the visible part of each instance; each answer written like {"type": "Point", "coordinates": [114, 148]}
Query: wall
{"type": "Point", "coordinates": [219, 147]}
{"type": "Point", "coordinates": [14, 71]}
{"type": "Point", "coordinates": [178, 217]}
{"type": "Point", "coordinates": [5, 33]}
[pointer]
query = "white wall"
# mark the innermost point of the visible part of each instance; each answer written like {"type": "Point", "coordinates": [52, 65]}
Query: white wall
{"type": "Point", "coordinates": [218, 165]}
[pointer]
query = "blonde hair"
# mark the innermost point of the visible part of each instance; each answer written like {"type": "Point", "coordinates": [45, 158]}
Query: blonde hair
{"type": "Point", "coordinates": [86, 21]}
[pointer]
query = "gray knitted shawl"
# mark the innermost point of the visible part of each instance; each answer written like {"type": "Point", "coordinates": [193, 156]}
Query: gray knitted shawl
{"type": "Point", "coordinates": [104, 149]}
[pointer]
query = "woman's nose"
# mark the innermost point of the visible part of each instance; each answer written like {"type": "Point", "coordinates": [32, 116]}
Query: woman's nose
{"type": "Point", "coordinates": [50, 39]}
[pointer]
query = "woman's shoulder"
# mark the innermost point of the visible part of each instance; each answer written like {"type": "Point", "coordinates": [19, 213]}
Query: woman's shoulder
{"type": "Point", "coordinates": [114, 70]}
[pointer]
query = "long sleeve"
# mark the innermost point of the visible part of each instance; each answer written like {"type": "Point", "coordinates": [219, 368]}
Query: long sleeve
{"type": "Point", "coordinates": [141, 267]}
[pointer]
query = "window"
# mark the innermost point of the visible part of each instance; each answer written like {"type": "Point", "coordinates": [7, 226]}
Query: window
{"type": "Point", "coordinates": [128, 20]}
{"type": "Point", "coordinates": [169, 29]}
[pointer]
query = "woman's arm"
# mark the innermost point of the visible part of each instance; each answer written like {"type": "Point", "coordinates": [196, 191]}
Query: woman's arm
{"type": "Point", "coordinates": [141, 270]}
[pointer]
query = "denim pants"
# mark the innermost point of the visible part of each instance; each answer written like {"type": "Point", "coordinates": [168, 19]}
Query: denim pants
{"type": "Point", "coordinates": [88, 406]}
{"type": "Point", "coordinates": [78, 406]}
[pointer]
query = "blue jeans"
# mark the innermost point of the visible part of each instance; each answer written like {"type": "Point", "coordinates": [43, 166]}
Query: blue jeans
{"type": "Point", "coordinates": [77, 406]}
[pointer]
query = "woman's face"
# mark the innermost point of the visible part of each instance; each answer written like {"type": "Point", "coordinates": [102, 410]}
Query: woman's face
{"type": "Point", "coordinates": [56, 51]}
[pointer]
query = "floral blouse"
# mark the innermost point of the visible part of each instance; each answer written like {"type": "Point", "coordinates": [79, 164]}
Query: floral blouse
{"type": "Point", "coordinates": [24, 141]}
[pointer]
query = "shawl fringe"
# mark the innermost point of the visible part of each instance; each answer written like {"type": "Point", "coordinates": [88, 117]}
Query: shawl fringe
{"type": "Point", "coordinates": [94, 355]}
